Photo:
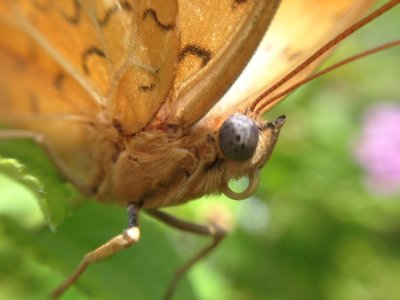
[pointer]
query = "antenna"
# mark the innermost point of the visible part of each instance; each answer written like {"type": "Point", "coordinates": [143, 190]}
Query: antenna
{"type": "Point", "coordinates": [264, 106]}
{"type": "Point", "coordinates": [375, 14]}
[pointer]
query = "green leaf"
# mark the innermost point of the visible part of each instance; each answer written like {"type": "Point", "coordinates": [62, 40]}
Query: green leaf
{"type": "Point", "coordinates": [55, 197]}
{"type": "Point", "coordinates": [140, 272]}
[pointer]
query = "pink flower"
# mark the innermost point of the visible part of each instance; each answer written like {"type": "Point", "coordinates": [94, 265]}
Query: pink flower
{"type": "Point", "coordinates": [378, 148]}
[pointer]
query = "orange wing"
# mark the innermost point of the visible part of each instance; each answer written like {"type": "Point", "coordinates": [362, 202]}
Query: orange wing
{"type": "Point", "coordinates": [284, 47]}
{"type": "Point", "coordinates": [66, 65]}
{"type": "Point", "coordinates": [120, 54]}
{"type": "Point", "coordinates": [217, 40]}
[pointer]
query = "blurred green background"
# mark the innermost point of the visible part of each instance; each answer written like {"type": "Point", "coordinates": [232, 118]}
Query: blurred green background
{"type": "Point", "coordinates": [312, 230]}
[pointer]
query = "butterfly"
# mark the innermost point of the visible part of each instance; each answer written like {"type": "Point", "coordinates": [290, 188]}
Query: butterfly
{"type": "Point", "coordinates": [136, 87]}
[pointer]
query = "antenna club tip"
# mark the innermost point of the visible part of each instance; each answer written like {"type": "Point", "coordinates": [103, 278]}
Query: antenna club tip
{"type": "Point", "coordinates": [277, 124]}
{"type": "Point", "coordinates": [280, 121]}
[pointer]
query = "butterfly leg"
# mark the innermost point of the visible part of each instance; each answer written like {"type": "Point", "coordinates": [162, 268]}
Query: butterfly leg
{"type": "Point", "coordinates": [214, 230]}
{"type": "Point", "coordinates": [41, 141]}
{"type": "Point", "coordinates": [120, 242]}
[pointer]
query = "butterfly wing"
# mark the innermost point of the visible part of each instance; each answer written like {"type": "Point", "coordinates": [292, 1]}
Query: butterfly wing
{"type": "Point", "coordinates": [121, 53]}
{"type": "Point", "coordinates": [217, 39]}
{"type": "Point", "coordinates": [66, 65]}
{"type": "Point", "coordinates": [284, 47]}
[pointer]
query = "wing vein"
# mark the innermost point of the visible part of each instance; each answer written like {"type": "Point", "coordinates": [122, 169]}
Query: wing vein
{"type": "Point", "coordinates": [29, 29]}
{"type": "Point", "coordinates": [92, 13]}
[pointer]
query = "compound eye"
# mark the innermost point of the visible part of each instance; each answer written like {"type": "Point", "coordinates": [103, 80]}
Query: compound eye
{"type": "Point", "coordinates": [238, 137]}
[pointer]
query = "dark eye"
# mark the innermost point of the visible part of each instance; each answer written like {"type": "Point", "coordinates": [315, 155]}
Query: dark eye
{"type": "Point", "coordinates": [238, 137]}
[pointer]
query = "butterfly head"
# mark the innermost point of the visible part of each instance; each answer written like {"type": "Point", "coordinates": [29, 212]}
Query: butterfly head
{"type": "Point", "coordinates": [246, 144]}
{"type": "Point", "coordinates": [239, 136]}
